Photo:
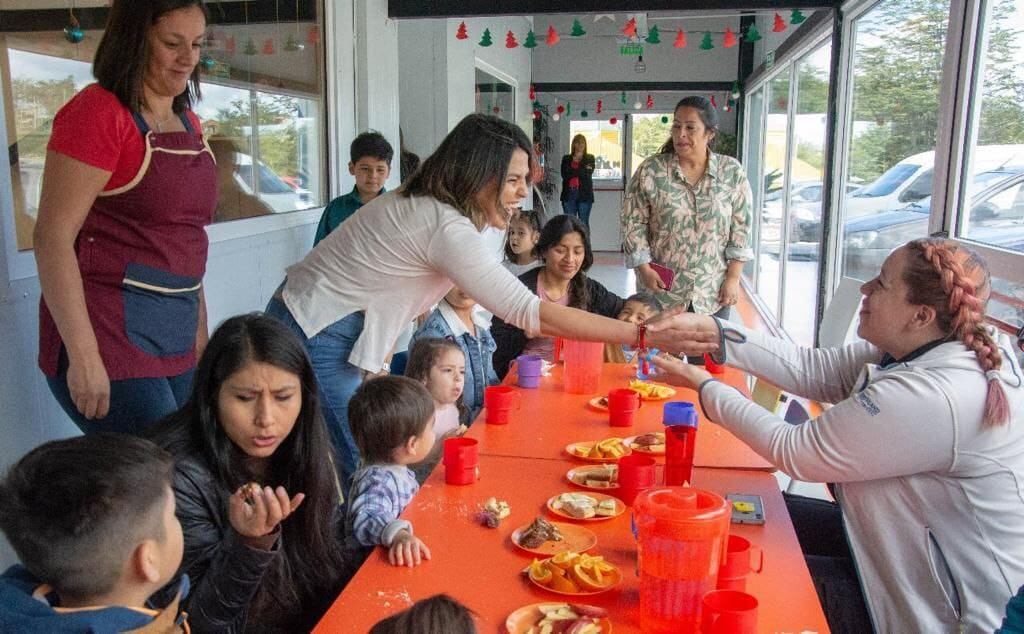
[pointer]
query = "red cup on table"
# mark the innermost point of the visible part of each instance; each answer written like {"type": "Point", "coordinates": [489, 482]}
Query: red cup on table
{"type": "Point", "coordinates": [622, 406]}
{"type": "Point", "coordinates": [739, 557]}
{"type": "Point", "coordinates": [499, 401]}
{"type": "Point", "coordinates": [711, 366]}
{"type": "Point", "coordinates": [728, 612]}
{"type": "Point", "coordinates": [460, 460]}
{"type": "Point", "coordinates": [636, 474]}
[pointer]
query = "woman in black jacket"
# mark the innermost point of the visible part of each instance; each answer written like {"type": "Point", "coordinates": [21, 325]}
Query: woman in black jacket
{"type": "Point", "coordinates": [267, 558]}
{"type": "Point", "coordinates": [564, 246]}
{"type": "Point", "coordinates": [577, 180]}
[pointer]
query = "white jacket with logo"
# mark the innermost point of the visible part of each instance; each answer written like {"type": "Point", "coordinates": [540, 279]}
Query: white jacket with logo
{"type": "Point", "coordinates": [933, 503]}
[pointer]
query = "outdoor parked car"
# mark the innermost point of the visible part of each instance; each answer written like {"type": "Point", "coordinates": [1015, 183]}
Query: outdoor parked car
{"type": "Point", "coordinates": [996, 217]}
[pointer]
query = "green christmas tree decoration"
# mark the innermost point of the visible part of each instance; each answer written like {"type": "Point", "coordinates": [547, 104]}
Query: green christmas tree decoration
{"type": "Point", "coordinates": [250, 47]}
{"type": "Point", "coordinates": [664, 118]}
{"type": "Point", "coordinates": [796, 17]}
{"type": "Point", "coordinates": [568, 109]}
{"type": "Point", "coordinates": [653, 35]}
{"type": "Point", "coordinates": [753, 34]}
{"type": "Point", "coordinates": [530, 41]}
{"type": "Point", "coordinates": [577, 28]}
{"type": "Point", "coordinates": [706, 44]}
{"type": "Point", "coordinates": [291, 44]}
{"type": "Point", "coordinates": [622, 98]}
{"type": "Point", "coordinates": [486, 39]}
{"type": "Point", "coordinates": [584, 114]}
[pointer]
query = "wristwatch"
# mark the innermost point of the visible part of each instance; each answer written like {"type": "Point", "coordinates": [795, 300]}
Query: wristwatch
{"type": "Point", "coordinates": [386, 368]}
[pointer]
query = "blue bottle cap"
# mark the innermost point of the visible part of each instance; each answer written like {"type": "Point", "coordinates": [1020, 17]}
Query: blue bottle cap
{"type": "Point", "coordinates": [679, 413]}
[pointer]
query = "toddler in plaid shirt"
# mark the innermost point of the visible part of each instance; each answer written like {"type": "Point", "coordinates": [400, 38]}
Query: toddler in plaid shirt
{"type": "Point", "coordinates": [392, 422]}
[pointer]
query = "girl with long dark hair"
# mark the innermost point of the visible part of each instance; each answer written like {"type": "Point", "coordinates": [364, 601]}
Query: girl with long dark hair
{"type": "Point", "coordinates": [255, 490]}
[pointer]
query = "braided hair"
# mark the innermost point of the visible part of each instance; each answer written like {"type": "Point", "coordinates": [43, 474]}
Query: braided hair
{"type": "Point", "coordinates": [954, 280]}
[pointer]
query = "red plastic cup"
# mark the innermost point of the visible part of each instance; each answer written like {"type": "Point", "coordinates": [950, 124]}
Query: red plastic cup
{"type": "Point", "coordinates": [711, 366]}
{"type": "Point", "coordinates": [460, 460]}
{"type": "Point", "coordinates": [636, 474]}
{"type": "Point", "coordinates": [499, 401]}
{"type": "Point", "coordinates": [739, 553]}
{"type": "Point", "coordinates": [728, 612]}
{"type": "Point", "coordinates": [622, 406]}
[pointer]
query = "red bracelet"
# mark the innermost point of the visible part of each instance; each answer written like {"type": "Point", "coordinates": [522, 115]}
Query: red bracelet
{"type": "Point", "coordinates": [641, 336]}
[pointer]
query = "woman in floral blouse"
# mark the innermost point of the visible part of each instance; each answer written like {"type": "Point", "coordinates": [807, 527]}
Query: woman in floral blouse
{"type": "Point", "coordinates": [688, 209]}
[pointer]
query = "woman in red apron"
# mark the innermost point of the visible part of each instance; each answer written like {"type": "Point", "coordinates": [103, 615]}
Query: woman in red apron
{"type": "Point", "coordinates": [120, 242]}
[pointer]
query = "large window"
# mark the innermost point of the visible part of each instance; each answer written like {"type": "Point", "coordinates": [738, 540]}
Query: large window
{"type": "Point", "coordinates": [262, 108]}
{"type": "Point", "coordinates": [892, 126]}
{"type": "Point", "coordinates": [604, 141]}
{"type": "Point", "coordinates": [648, 131]}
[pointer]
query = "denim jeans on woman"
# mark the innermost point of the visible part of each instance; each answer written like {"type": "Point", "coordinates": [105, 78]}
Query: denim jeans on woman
{"type": "Point", "coordinates": [337, 380]}
{"type": "Point", "coordinates": [573, 206]}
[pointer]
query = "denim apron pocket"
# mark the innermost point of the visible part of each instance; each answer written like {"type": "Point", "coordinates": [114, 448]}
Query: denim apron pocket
{"type": "Point", "coordinates": [161, 310]}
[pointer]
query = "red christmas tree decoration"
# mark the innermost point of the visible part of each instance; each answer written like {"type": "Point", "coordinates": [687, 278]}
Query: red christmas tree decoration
{"type": "Point", "coordinates": [730, 38]}
{"type": "Point", "coordinates": [533, 92]}
{"type": "Point", "coordinates": [536, 114]}
{"type": "Point", "coordinates": [680, 39]}
{"type": "Point", "coordinates": [630, 29]}
{"type": "Point", "coordinates": [313, 37]}
{"type": "Point", "coordinates": [560, 109]}
{"type": "Point", "coordinates": [780, 25]}
{"type": "Point", "coordinates": [714, 103]}
{"type": "Point", "coordinates": [613, 121]}
{"type": "Point", "coordinates": [229, 44]}
{"type": "Point", "coordinates": [650, 102]}
{"type": "Point", "coordinates": [461, 34]}
{"type": "Point", "coordinates": [268, 46]}
{"type": "Point", "coordinates": [599, 105]}
{"type": "Point", "coordinates": [552, 36]}
{"type": "Point", "coordinates": [510, 40]}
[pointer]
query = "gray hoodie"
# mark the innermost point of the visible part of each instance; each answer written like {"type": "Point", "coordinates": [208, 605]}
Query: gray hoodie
{"type": "Point", "coordinates": [933, 503]}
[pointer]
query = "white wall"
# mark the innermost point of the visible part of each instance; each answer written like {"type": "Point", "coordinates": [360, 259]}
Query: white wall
{"type": "Point", "coordinates": [247, 257]}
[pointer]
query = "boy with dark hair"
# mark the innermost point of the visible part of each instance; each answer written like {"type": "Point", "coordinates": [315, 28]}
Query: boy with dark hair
{"type": "Point", "coordinates": [92, 521]}
{"type": "Point", "coordinates": [392, 422]}
{"type": "Point", "coordinates": [638, 307]}
{"type": "Point", "coordinates": [370, 162]}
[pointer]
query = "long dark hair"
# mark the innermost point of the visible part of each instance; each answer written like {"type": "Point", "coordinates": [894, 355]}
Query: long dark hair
{"type": "Point", "coordinates": [708, 116]}
{"type": "Point", "coordinates": [123, 51]}
{"type": "Point", "coordinates": [313, 559]}
{"type": "Point", "coordinates": [473, 155]}
{"type": "Point", "coordinates": [552, 233]}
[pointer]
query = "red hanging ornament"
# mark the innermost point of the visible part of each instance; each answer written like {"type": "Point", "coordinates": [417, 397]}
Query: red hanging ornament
{"type": "Point", "coordinates": [536, 114]}
{"type": "Point", "coordinates": [599, 105]}
{"type": "Point", "coordinates": [462, 34]}
{"type": "Point", "coordinates": [630, 29]}
{"type": "Point", "coordinates": [650, 102]}
{"type": "Point", "coordinates": [495, 109]}
{"type": "Point", "coordinates": [680, 39]}
{"type": "Point", "coordinates": [552, 36]}
{"type": "Point", "coordinates": [730, 38]}
{"type": "Point", "coordinates": [780, 25]}
{"type": "Point", "coordinates": [313, 37]}
{"type": "Point", "coordinates": [613, 120]}
{"type": "Point", "coordinates": [714, 104]}
{"type": "Point", "coordinates": [533, 92]}
{"type": "Point", "coordinates": [510, 40]}
{"type": "Point", "coordinates": [560, 109]}
{"type": "Point", "coordinates": [268, 46]}
{"type": "Point", "coordinates": [229, 44]}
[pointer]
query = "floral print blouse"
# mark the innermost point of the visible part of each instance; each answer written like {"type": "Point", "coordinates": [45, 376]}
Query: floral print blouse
{"type": "Point", "coordinates": [695, 230]}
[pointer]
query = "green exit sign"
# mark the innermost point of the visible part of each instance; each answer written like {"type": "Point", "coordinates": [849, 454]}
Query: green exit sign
{"type": "Point", "coordinates": [631, 49]}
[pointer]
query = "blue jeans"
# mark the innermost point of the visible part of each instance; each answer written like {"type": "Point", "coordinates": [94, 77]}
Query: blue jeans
{"type": "Point", "coordinates": [573, 206]}
{"type": "Point", "coordinates": [135, 404]}
{"type": "Point", "coordinates": [336, 378]}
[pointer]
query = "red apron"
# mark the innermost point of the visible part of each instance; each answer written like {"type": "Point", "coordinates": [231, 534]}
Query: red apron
{"type": "Point", "coordinates": [142, 253]}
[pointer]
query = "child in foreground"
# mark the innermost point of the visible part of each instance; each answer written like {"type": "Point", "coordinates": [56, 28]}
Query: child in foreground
{"type": "Point", "coordinates": [392, 421]}
{"type": "Point", "coordinates": [439, 613]}
{"type": "Point", "coordinates": [92, 521]}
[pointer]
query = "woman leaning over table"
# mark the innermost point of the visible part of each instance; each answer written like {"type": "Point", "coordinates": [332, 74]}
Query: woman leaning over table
{"type": "Point", "coordinates": [349, 299]}
{"type": "Point", "coordinates": [120, 242]}
{"type": "Point", "coordinates": [925, 445]}
{"type": "Point", "coordinates": [688, 209]}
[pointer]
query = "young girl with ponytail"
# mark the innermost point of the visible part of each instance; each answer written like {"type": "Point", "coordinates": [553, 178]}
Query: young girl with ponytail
{"type": "Point", "coordinates": [925, 445]}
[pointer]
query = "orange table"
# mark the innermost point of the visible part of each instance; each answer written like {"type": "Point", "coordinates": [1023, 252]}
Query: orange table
{"type": "Point", "coordinates": [481, 568]}
{"type": "Point", "coordinates": [551, 418]}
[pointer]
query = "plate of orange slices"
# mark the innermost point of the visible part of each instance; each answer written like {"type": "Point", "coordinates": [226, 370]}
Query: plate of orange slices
{"type": "Point", "coordinates": [607, 450]}
{"type": "Point", "coordinates": [573, 573]}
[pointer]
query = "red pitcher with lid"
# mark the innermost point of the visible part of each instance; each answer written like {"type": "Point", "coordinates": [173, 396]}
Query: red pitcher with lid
{"type": "Point", "coordinates": [681, 535]}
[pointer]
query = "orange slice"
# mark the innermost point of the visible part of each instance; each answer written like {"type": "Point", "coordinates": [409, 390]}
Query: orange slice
{"type": "Point", "coordinates": [540, 573]}
{"type": "Point", "coordinates": [564, 560]}
{"type": "Point", "coordinates": [562, 584]}
{"type": "Point", "coordinates": [585, 579]}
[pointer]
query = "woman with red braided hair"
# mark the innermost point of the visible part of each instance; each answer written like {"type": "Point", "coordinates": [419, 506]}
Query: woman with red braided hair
{"type": "Point", "coordinates": [924, 445]}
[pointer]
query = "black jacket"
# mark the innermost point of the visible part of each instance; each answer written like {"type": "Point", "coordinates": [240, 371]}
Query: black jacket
{"type": "Point", "coordinates": [225, 573]}
{"type": "Point", "coordinates": [585, 172]}
{"type": "Point", "coordinates": [511, 340]}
